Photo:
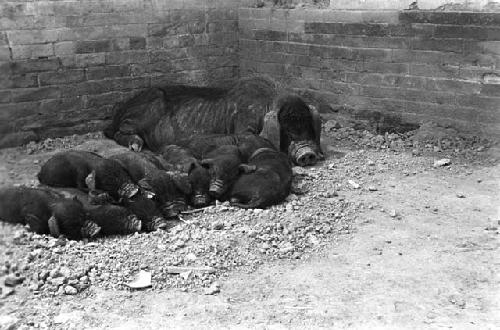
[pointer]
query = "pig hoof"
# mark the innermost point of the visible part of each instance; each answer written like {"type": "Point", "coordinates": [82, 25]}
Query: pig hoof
{"type": "Point", "coordinates": [135, 224]}
{"type": "Point", "coordinates": [159, 223]}
{"type": "Point", "coordinates": [90, 229]}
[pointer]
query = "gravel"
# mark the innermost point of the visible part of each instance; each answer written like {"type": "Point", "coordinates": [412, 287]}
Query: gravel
{"type": "Point", "coordinates": [207, 245]}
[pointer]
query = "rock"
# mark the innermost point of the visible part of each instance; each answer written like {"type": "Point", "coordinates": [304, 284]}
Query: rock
{"type": "Point", "coordinates": [70, 290]}
{"type": "Point", "coordinates": [393, 213]}
{"type": "Point", "coordinates": [219, 225]}
{"type": "Point", "coordinates": [190, 257]}
{"type": "Point", "coordinates": [214, 288]}
{"type": "Point", "coordinates": [460, 195]}
{"type": "Point", "coordinates": [12, 280]}
{"type": "Point", "coordinates": [372, 188]}
{"type": "Point", "coordinates": [442, 162]}
{"type": "Point", "coordinates": [353, 184]}
{"type": "Point", "coordinates": [297, 170]}
{"type": "Point", "coordinates": [8, 322]}
{"type": "Point", "coordinates": [142, 280]}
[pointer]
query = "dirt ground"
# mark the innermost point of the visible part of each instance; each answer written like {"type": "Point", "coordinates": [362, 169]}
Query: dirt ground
{"type": "Point", "coordinates": [423, 255]}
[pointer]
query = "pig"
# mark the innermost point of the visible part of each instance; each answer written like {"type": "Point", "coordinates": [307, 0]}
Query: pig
{"type": "Point", "coordinates": [200, 145]}
{"type": "Point", "coordinates": [268, 185]}
{"type": "Point", "coordinates": [300, 129]}
{"type": "Point", "coordinates": [112, 219]}
{"type": "Point", "coordinates": [183, 160]}
{"type": "Point", "coordinates": [169, 114]}
{"type": "Point", "coordinates": [224, 165]}
{"type": "Point", "coordinates": [169, 189]}
{"type": "Point", "coordinates": [46, 212]}
{"type": "Point", "coordinates": [87, 171]}
{"type": "Point", "coordinates": [146, 209]}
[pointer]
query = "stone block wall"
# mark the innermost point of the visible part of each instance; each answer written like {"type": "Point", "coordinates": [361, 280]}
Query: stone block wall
{"type": "Point", "coordinates": [413, 65]}
{"type": "Point", "coordinates": [63, 64]}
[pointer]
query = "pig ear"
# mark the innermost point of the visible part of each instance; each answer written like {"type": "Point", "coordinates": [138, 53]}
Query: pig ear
{"type": "Point", "coordinates": [54, 227]}
{"type": "Point", "coordinates": [191, 167]}
{"type": "Point", "coordinates": [90, 180]}
{"type": "Point", "coordinates": [271, 129]}
{"type": "Point", "coordinates": [245, 168]}
{"type": "Point", "coordinates": [182, 182]}
{"type": "Point", "coordinates": [206, 163]}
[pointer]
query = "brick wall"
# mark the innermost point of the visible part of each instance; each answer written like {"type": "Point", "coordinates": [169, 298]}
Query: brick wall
{"type": "Point", "coordinates": [63, 64]}
{"type": "Point", "coordinates": [411, 65]}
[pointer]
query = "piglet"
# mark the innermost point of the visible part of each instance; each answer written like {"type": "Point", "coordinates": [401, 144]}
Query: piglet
{"type": "Point", "coordinates": [269, 184]}
{"type": "Point", "coordinates": [46, 212]}
{"type": "Point", "coordinates": [87, 171]}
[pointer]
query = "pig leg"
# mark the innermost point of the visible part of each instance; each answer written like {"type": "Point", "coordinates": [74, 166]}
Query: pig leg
{"type": "Point", "coordinates": [316, 119]}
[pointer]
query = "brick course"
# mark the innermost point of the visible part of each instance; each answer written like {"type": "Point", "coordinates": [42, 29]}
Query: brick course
{"type": "Point", "coordinates": [64, 64]}
{"type": "Point", "coordinates": [424, 65]}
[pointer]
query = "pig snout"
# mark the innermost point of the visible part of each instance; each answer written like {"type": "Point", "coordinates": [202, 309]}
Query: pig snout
{"type": "Point", "coordinates": [216, 188]}
{"type": "Point", "coordinates": [172, 209]}
{"type": "Point", "coordinates": [90, 229]}
{"type": "Point", "coordinates": [201, 200]}
{"type": "Point", "coordinates": [128, 190]}
{"type": "Point", "coordinates": [159, 223]}
{"type": "Point", "coordinates": [134, 223]}
{"type": "Point", "coordinates": [303, 153]}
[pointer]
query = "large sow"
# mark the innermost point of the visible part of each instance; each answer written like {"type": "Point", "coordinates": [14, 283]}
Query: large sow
{"type": "Point", "coordinates": [167, 115]}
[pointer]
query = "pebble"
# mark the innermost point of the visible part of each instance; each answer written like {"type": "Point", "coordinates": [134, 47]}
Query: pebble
{"type": "Point", "coordinates": [214, 288]}
{"type": "Point", "coordinates": [353, 184]}
{"type": "Point", "coordinates": [442, 162]}
{"type": "Point", "coordinates": [12, 280]}
{"type": "Point", "coordinates": [69, 290]}
{"type": "Point", "coordinates": [372, 188]}
{"type": "Point", "coordinates": [393, 213]}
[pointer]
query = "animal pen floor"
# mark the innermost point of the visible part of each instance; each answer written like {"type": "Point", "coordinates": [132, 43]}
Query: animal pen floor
{"type": "Point", "coordinates": [380, 238]}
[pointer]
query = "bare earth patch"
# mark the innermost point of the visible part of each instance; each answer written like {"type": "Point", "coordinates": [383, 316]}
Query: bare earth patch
{"type": "Point", "coordinates": [380, 238]}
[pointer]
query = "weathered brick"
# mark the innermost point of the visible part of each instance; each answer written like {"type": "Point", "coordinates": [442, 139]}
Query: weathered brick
{"type": "Point", "coordinates": [137, 43]}
{"type": "Point", "coordinates": [19, 81]}
{"type": "Point", "coordinates": [120, 44]}
{"type": "Point", "coordinates": [440, 70]}
{"type": "Point", "coordinates": [32, 51]}
{"type": "Point", "coordinates": [64, 48]}
{"type": "Point", "coordinates": [445, 45]}
{"type": "Point", "coordinates": [383, 92]}
{"type": "Point", "coordinates": [372, 54]}
{"type": "Point", "coordinates": [61, 77]}
{"type": "Point", "coordinates": [453, 18]}
{"type": "Point", "coordinates": [92, 101]}
{"type": "Point", "coordinates": [490, 90]}
{"type": "Point", "coordinates": [135, 56]}
{"type": "Point", "coordinates": [5, 54]}
{"type": "Point", "coordinates": [35, 94]}
{"type": "Point", "coordinates": [109, 71]}
{"type": "Point", "coordinates": [486, 47]}
{"type": "Point", "coordinates": [84, 60]}
{"type": "Point", "coordinates": [479, 102]}
{"type": "Point", "coordinates": [467, 32]}
{"type": "Point", "coordinates": [17, 110]}
{"type": "Point", "coordinates": [382, 67]}
{"type": "Point", "coordinates": [330, 52]}
{"type": "Point", "coordinates": [5, 96]}
{"type": "Point", "coordinates": [94, 46]}
{"type": "Point", "coordinates": [270, 35]}
{"type": "Point", "coordinates": [28, 37]}
{"type": "Point", "coordinates": [26, 66]}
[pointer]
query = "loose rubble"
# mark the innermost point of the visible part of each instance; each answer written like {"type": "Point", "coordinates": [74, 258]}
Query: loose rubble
{"type": "Point", "coordinates": [211, 242]}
